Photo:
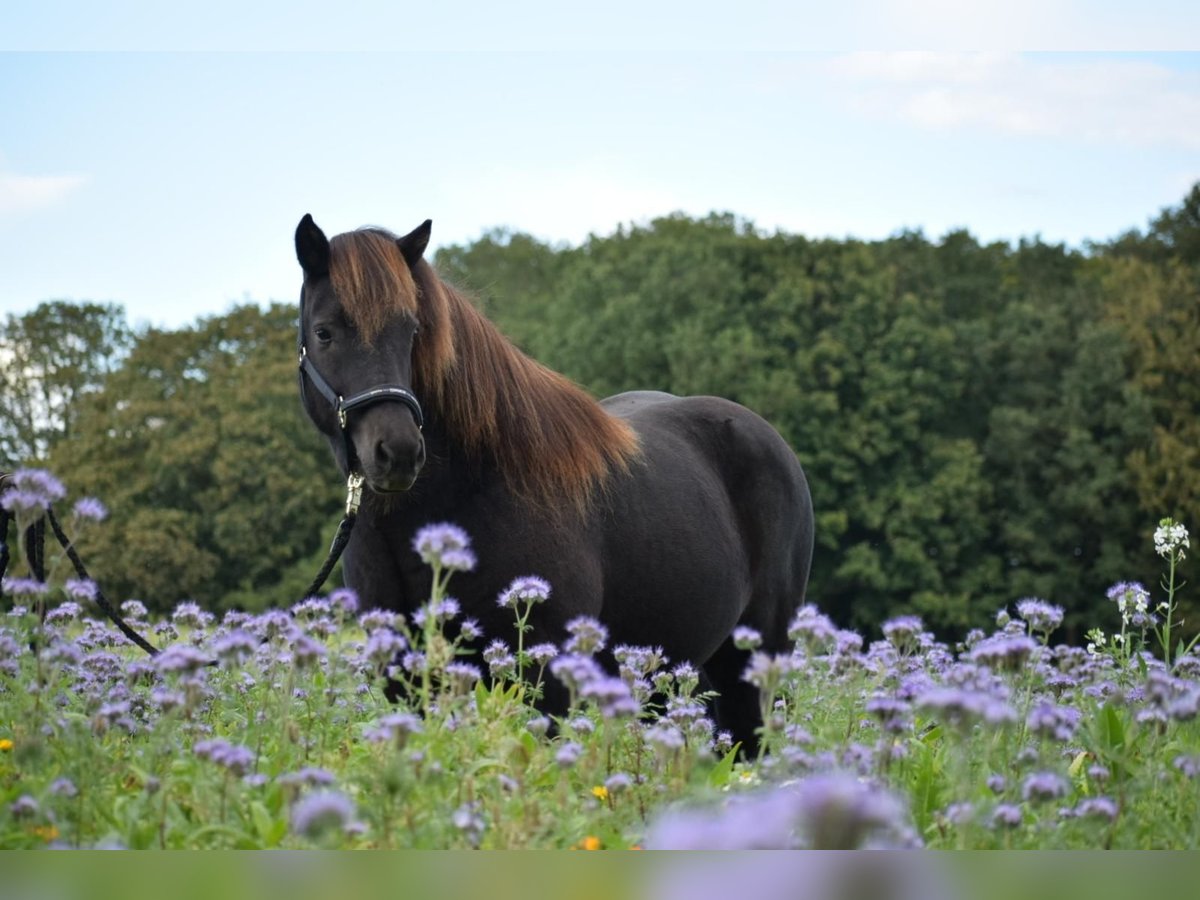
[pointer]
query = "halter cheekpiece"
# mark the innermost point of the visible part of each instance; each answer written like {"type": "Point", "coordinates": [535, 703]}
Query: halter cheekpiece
{"type": "Point", "coordinates": [343, 406]}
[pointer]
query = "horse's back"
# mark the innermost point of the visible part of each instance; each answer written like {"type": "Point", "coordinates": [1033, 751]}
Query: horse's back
{"type": "Point", "coordinates": [720, 460]}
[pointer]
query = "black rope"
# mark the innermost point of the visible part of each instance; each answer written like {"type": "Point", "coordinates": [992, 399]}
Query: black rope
{"type": "Point", "coordinates": [101, 600]}
{"type": "Point", "coordinates": [35, 541]}
{"type": "Point", "coordinates": [5, 518]}
{"type": "Point", "coordinates": [335, 553]}
{"type": "Point", "coordinates": [35, 549]}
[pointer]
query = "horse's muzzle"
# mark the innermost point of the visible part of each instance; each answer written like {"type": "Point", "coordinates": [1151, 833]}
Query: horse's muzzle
{"type": "Point", "coordinates": [393, 466]}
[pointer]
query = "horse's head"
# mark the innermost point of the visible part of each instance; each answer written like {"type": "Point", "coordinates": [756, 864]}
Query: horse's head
{"type": "Point", "coordinates": [358, 322]}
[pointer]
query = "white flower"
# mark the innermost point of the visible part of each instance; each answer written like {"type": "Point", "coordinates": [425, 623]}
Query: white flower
{"type": "Point", "coordinates": [1170, 537]}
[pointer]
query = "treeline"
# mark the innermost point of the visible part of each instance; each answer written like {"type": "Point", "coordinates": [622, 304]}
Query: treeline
{"type": "Point", "coordinates": [979, 422]}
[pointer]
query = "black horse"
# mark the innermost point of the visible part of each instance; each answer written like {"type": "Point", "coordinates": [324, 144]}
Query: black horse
{"type": "Point", "coordinates": [671, 520]}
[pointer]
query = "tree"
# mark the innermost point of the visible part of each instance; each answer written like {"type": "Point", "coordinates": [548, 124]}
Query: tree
{"type": "Point", "coordinates": [50, 359]}
{"type": "Point", "coordinates": [219, 489]}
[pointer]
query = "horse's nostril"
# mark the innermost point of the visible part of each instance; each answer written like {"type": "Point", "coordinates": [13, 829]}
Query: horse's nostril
{"type": "Point", "coordinates": [383, 455]}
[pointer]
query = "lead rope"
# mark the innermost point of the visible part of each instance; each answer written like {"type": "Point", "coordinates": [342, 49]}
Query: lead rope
{"type": "Point", "coordinates": [35, 539]}
{"type": "Point", "coordinates": [354, 488]}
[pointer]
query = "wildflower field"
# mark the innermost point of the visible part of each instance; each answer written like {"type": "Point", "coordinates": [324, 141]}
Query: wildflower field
{"type": "Point", "coordinates": [276, 730]}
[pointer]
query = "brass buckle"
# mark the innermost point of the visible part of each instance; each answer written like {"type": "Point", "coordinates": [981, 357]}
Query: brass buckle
{"type": "Point", "coordinates": [354, 489]}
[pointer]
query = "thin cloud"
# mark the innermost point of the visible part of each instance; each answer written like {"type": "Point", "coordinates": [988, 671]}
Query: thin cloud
{"type": "Point", "coordinates": [27, 193]}
{"type": "Point", "coordinates": [1128, 101]}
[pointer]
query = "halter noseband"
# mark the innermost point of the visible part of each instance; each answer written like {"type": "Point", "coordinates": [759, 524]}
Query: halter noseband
{"type": "Point", "coordinates": [342, 405]}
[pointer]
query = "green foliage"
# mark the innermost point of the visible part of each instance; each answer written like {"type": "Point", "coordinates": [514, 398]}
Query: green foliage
{"type": "Point", "coordinates": [50, 359]}
{"type": "Point", "coordinates": [978, 421]}
{"type": "Point", "coordinates": [218, 488]}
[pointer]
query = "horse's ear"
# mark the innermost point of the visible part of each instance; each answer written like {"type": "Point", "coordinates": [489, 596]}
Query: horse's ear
{"type": "Point", "coordinates": [312, 248]}
{"type": "Point", "coordinates": [413, 244]}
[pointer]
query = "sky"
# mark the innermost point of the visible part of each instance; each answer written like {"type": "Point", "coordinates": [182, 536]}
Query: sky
{"type": "Point", "coordinates": [164, 165]}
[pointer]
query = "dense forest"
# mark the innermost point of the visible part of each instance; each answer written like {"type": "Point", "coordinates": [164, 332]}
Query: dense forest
{"type": "Point", "coordinates": [979, 422]}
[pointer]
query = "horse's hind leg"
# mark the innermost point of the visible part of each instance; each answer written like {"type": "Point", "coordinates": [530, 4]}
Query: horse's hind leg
{"type": "Point", "coordinates": [737, 703]}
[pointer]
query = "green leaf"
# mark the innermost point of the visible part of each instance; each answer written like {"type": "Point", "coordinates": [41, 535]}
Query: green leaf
{"type": "Point", "coordinates": [723, 770]}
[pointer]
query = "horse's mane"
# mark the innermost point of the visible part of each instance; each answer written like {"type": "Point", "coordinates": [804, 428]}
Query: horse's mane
{"type": "Point", "coordinates": [549, 439]}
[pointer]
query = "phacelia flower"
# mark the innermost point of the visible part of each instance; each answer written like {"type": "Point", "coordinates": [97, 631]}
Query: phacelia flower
{"type": "Point", "coordinates": [445, 545]}
{"type": "Point", "coordinates": [524, 591]}
{"type": "Point", "coordinates": [587, 636]}
{"type": "Point", "coordinates": [1043, 786]}
{"type": "Point", "coordinates": [322, 812]}
{"type": "Point", "coordinates": [812, 628]}
{"type": "Point", "coordinates": [1041, 616]}
{"type": "Point", "coordinates": [90, 509]}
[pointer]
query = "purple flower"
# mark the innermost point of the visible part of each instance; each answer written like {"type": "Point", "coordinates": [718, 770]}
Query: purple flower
{"type": "Point", "coordinates": [305, 650]}
{"type": "Point", "coordinates": [1003, 651]}
{"type": "Point", "coordinates": [575, 671]}
{"type": "Point", "coordinates": [235, 647]}
{"type": "Point", "coordinates": [24, 589]}
{"type": "Point", "coordinates": [823, 812]}
{"type": "Point", "coordinates": [64, 612]}
{"type": "Point", "coordinates": [322, 812]}
{"type": "Point", "coordinates": [1131, 598]}
{"type": "Point", "coordinates": [766, 671]}
{"type": "Point", "coordinates": [188, 614]}
{"type": "Point", "coordinates": [377, 619]}
{"type": "Point", "coordinates": [463, 675]}
{"type": "Point", "coordinates": [812, 628]}
{"type": "Point", "coordinates": [1051, 720]}
{"type": "Point", "coordinates": [344, 601]}
{"type": "Point", "coordinates": [134, 609]}
{"type": "Point", "coordinates": [446, 546]}
{"type": "Point", "coordinates": [587, 636]}
{"type": "Point", "coordinates": [309, 776]}
{"type": "Point", "coordinates": [1097, 808]}
{"type": "Point", "coordinates": [468, 820]}
{"type": "Point", "coordinates": [568, 754]}
{"type": "Point", "coordinates": [63, 787]}
{"type": "Point", "coordinates": [32, 492]}
{"type": "Point", "coordinates": [1040, 615]}
{"type": "Point", "coordinates": [1043, 786]}
{"type": "Point", "coordinates": [894, 715]}
{"type": "Point", "coordinates": [180, 659]}
{"type": "Point", "coordinates": [618, 783]}
{"type": "Point", "coordinates": [540, 654]}
{"type": "Point", "coordinates": [24, 807]}
{"type": "Point", "coordinates": [904, 632]}
{"type": "Point", "coordinates": [613, 697]}
{"type": "Point", "coordinates": [235, 758]}
{"type": "Point", "coordinates": [746, 638]}
{"type": "Point", "coordinates": [527, 590]}
{"type": "Point", "coordinates": [469, 630]}
{"type": "Point", "coordinates": [382, 646]}
{"type": "Point", "coordinates": [396, 727]}
{"type": "Point", "coordinates": [665, 737]}
{"type": "Point", "coordinates": [1006, 815]}
{"type": "Point", "coordinates": [961, 707]}
{"type": "Point", "coordinates": [80, 589]}
{"type": "Point", "coordinates": [500, 661]}
{"type": "Point", "coordinates": [1189, 765]}
{"type": "Point", "coordinates": [89, 509]}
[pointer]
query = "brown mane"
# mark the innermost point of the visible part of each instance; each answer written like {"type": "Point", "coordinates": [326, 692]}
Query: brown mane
{"type": "Point", "coordinates": [370, 279]}
{"type": "Point", "coordinates": [550, 440]}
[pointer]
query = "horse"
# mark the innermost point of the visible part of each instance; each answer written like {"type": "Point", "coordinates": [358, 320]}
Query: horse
{"type": "Point", "coordinates": [670, 520]}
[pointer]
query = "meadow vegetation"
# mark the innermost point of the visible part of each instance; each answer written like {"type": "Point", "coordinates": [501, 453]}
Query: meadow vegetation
{"type": "Point", "coordinates": [275, 729]}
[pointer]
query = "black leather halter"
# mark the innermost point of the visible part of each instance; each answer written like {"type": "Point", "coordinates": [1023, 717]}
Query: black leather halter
{"type": "Point", "coordinates": [343, 406]}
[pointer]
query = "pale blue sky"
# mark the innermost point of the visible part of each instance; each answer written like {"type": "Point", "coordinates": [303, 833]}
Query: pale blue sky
{"type": "Point", "coordinates": [172, 182]}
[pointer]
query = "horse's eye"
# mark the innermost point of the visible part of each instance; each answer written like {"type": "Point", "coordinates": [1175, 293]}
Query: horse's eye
{"type": "Point", "coordinates": [323, 335]}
